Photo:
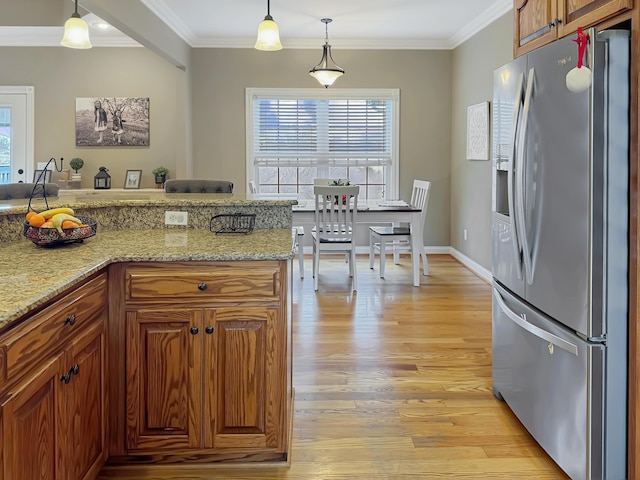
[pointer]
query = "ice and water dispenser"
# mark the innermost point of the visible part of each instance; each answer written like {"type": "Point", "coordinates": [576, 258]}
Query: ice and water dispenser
{"type": "Point", "coordinates": [502, 150]}
{"type": "Point", "coordinates": [501, 202]}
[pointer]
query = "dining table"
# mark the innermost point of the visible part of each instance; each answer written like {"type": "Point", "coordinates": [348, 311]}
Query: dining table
{"type": "Point", "coordinates": [375, 213]}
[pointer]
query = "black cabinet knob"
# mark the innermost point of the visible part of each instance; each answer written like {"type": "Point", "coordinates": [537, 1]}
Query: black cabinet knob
{"type": "Point", "coordinates": [209, 329]}
{"type": "Point", "coordinates": [75, 369]}
{"type": "Point", "coordinates": [555, 22]}
{"type": "Point", "coordinates": [194, 330]}
{"type": "Point", "coordinates": [70, 320]}
{"type": "Point", "coordinates": [202, 286]}
{"type": "Point", "coordinates": [66, 378]}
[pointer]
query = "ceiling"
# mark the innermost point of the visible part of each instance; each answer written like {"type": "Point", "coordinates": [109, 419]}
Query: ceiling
{"type": "Point", "coordinates": [356, 23]}
{"type": "Point", "coordinates": [365, 24]}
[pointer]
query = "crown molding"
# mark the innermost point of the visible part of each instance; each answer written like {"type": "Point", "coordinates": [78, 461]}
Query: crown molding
{"type": "Point", "coordinates": [51, 36]}
{"type": "Point", "coordinates": [490, 15]}
{"type": "Point", "coordinates": [165, 14]}
{"type": "Point", "coordinates": [338, 43]}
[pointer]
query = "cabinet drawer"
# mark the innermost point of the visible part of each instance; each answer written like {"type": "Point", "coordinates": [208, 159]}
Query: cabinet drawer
{"type": "Point", "coordinates": [245, 281]}
{"type": "Point", "coordinates": [48, 329]}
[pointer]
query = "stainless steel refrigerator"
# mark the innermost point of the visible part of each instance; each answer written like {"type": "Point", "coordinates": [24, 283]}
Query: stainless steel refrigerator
{"type": "Point", "coordinates": [560, 251]}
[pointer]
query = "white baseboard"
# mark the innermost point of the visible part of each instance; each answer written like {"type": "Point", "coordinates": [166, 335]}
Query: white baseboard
{"type": "Point", "coordinates": [472, 265]}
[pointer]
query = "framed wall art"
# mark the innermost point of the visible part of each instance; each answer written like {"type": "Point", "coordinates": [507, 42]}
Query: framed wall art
{"type": "Point", "coordinates": [132, 179]}
{"type": "Point", "coordinates": [112, 122]}
{"type": "Point", "coordinates": [478, 131]}
{"type": "Point", "coordinates": [46, 176]}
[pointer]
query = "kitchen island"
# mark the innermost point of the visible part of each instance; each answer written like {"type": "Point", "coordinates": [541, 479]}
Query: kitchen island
{"type": "Point", "coordinates": [190, 331]}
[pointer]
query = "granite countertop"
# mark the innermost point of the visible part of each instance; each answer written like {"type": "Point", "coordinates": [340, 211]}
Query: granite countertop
{"type": "Point", "coordinates": [106, 199]}
{"type": "Point", "coordinates": [31, 275]}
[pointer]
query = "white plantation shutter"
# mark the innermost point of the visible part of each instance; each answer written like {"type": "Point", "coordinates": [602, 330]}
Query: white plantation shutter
{"type": "Point", "coordinates": [286, 129]}
{"type": "Point", "coordinates": [360, 129]}
{"type": "Point", "coordinates": [303, 127]}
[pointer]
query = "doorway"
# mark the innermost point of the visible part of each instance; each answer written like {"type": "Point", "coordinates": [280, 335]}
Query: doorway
{"type": "Point", "coordinates": [16, 133]}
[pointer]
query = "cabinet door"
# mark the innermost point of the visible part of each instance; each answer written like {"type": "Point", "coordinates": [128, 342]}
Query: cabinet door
{"type": "Point", "coordinates": [534, 22]}
{"type": "Point", "coordinates": [31, 445]}
{"type": "Point", "coordinates": [244, 396]}
{"type": "Point", "coordinates": [164, 379]}
{"type": "Point", "coordinates": [85, 439]}
{"type": "Point", "coordinates": [584, 13]}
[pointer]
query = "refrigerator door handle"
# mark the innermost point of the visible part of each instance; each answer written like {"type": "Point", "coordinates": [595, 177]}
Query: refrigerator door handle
{"type": "Point", "coordinates": [521, 320]}
{"type": "Point", "coordinates": [520, 214]}
{"type": "Point", "coordinates": [510, 177]}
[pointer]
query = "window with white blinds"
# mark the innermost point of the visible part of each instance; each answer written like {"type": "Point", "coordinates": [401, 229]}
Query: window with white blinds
{"type": "Point", "coordinates": [295, 135]}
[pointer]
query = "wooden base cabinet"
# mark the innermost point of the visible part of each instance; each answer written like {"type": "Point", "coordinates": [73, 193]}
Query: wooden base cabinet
{"type": "Point", "coordinates": [243, 395]}
{"type": "Point", "coordinates": [30, 438]}
{"type": "Point", "coordinates": [538, 22]}
{"type": "Point", "coordinates": [164, 379]}
{"type": "Point", "coordinates": [206, 362]}
{"type": "Point", "coordinates": [202, 379]}
{"type": "Point", "coordinates": [52, 417]}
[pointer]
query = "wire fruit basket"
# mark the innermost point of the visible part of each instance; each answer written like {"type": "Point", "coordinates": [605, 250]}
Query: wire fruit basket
{"type": "Point", "coordinates": [242, 223]}
{"type": "Point", "coordinates": [51, 236]}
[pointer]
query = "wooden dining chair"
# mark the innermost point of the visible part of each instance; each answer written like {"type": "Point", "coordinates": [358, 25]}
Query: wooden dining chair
{"type": "Point", "coordinates": [397, 239]}
{"type": "Point", "coordinates": [336, 209]}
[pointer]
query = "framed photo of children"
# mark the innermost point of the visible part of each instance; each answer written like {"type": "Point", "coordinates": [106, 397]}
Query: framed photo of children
{"type": "Point", "coordinates": [112, 122]}
{"type": "Point", "coordinates": [132, 179]}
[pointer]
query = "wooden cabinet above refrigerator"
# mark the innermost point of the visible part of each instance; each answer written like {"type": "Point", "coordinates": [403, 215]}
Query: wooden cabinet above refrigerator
{"type": "Point", "coordinates": [538, 22]}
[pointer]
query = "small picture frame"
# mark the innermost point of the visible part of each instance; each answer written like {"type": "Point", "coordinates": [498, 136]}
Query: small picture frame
{"type": "Point", "coordinates": [47, 176]}
{"type": "Point", "coordinates": [132, 179]}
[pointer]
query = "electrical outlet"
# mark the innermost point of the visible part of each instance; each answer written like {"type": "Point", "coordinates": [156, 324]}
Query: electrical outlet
{"type": "Point", "coordinates": [176, 218]}
{"type": "Point", "coordinates": [464, 233]}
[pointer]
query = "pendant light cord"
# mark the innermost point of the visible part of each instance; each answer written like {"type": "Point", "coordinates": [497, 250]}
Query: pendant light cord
{"type": "Point", "coordinates": [326, 22]}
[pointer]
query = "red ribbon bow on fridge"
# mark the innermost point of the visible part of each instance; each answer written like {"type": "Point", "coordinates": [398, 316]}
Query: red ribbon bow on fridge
{"type": "Point", "coordinates": [579, 78]}
{"type": "Point", "coordinates": [582, 39]}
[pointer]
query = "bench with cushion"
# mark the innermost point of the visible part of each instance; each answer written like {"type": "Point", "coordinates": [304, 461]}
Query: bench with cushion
{"type": "Point", "coordinates": [9, 191]}
{"type": "Point", "coordinates": [198, 186]}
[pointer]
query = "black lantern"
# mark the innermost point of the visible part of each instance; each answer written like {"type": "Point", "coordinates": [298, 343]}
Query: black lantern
{"type": "Point", "coordinates": [102, 180]}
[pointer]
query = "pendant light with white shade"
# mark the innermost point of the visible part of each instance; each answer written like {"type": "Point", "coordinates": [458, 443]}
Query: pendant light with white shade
{"type": "Point", "coordinates": [327, 71]}
{"type": "Point", "coordinates": [268, 34]}
{"type": "Point", "coordinates": [76, 32]}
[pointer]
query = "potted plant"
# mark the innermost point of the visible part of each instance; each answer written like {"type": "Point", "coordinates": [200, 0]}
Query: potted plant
{"type": "Point", "coordinates": [76, 163]}
{"type": "Point", "coordinates": [160, 174]}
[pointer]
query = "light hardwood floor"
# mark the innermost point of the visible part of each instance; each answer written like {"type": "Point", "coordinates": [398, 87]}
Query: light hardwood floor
{"type": "Point", "coordinates": [394, 383]}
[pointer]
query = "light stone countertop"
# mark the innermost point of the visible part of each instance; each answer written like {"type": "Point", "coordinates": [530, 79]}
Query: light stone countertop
{"type": "Point", "coordinates": [146, 211]}
{"type": "Point", "coordinates": [106, 198]}
{"type": "Point", "coordinates": [31, 275]}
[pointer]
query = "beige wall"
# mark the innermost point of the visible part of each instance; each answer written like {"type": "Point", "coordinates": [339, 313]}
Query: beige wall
{"type": "Point", "coordinates": [220, 77]}
{"type": "Point", "coordinates": [473, 64]}
{"type": "Point", "coordinates": [435, 86]}
{"type": "Point", "coordinates": [59, 75]}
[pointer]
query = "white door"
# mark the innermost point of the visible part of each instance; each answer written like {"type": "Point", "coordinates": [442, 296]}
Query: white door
{"type": "Point", "coordinates": [16, 134]}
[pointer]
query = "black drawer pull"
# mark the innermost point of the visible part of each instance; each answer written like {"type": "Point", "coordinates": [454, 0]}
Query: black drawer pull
{"type": "Point", "coordinates": [71, 320]}
{"type": "Point", "coordinates": [66, 378]}
{"type": "Point", "coordinates": [209, 329]}
{"type": "Point", "coordinates": [75, 369]}
{"type": "Point", "coordinates": [194, 330]}
{"type": "Point", "coordinates": [202, 286]}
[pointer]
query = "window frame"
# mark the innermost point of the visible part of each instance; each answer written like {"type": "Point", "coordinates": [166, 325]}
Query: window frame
{"type": "Point", "coordinates": [391, 188]}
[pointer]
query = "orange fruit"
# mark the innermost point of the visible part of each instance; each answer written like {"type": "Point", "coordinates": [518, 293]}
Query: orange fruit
{"type": "Point", "coordinates": [69, 224]}
{"type": "Point", "coordinates": [36, 220]}
{"type": "Point", "coordinates": [47, 225]}
{"type": "Point", "coordinates": [30, 214]}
